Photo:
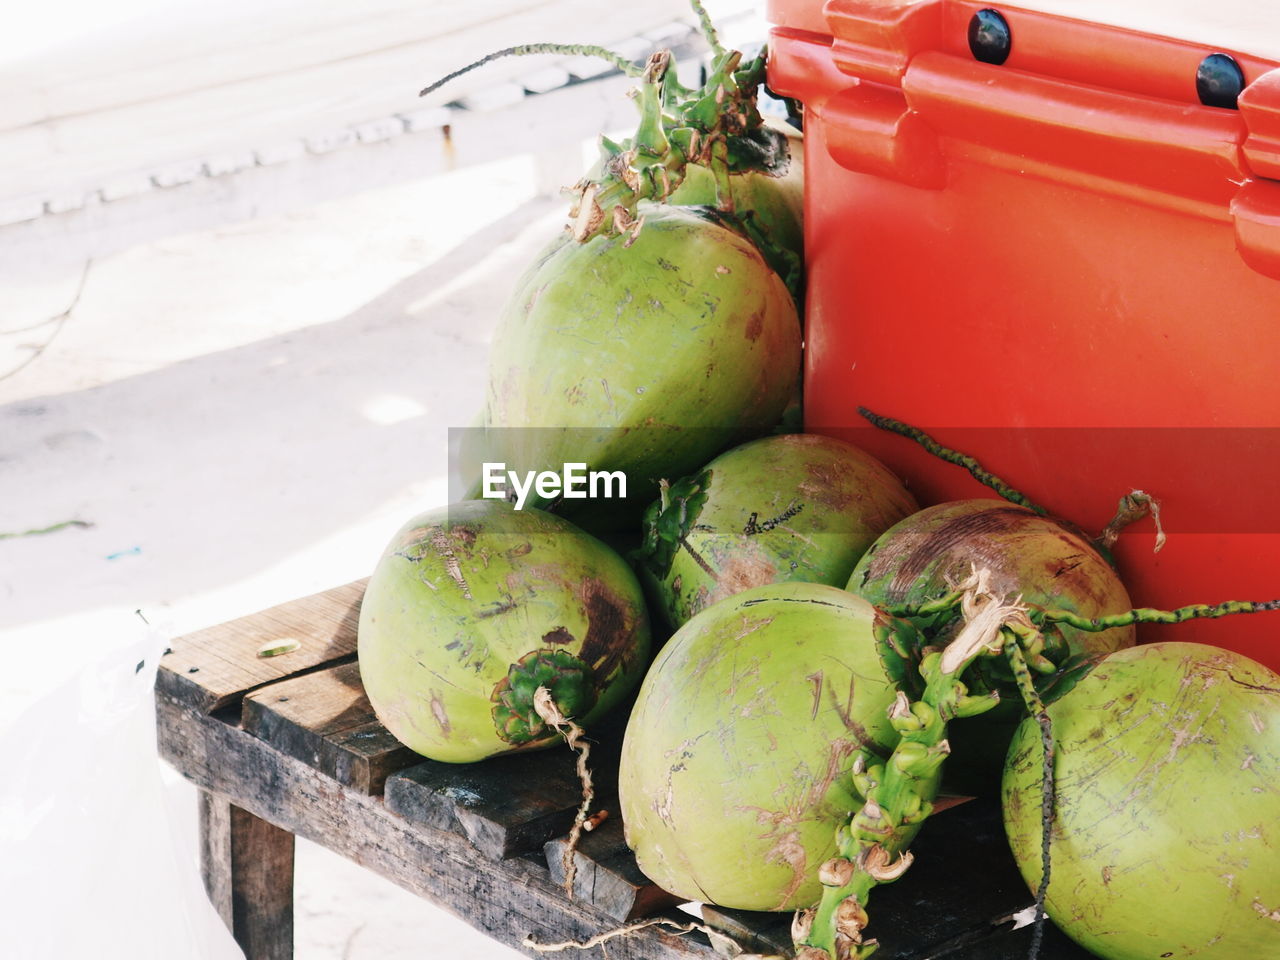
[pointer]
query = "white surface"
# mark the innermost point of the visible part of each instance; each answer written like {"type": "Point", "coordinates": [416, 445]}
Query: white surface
{"type": "Point", "coordinates": [1244, 26]}
{"type": "Point", "coordinates": [86, 866]}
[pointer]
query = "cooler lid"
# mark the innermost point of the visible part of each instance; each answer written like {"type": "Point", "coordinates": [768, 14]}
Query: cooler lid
{"type": "Point", "coordinates": [1244, 26]}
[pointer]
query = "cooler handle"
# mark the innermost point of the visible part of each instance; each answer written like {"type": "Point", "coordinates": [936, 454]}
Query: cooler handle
{"type": "Point", "coordinates": [1255, 210]}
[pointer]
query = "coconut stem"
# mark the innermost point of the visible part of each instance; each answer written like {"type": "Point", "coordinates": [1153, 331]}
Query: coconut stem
{"type": "Point", "coordinates": [720, 172]}
{"type": "Point", "coordinates": [708, 28]}
{"type": "Point", "coordinates": [529, 49]}
{"type": "Point", "coordinates": [1015, 640]}
{"type": "Point", "coordinates": [1196, 611]}
{"type": "Point", "coordinates": [649, 166]}
{"type": "Point", "coordinates": [927, 608]}
{"type": "Point", "coordinates": [546, 708]}
{"type": "Point", "coordinates": [976, 470]}
{"type": "Point", "coordinates": [899, 793]}
{"type": "Point", "coordinates": [1133, 507]}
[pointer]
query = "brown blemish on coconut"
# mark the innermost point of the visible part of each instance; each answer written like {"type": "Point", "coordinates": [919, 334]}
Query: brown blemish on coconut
{"type": "Point", "coordinates": [845, 712]}
{"type": "Point", "coordinates": [803, 806]}
{"type": "Point", "coordinates": [496, 609]}
{"type": "Point", "coordinates": [1266, 914]}
{"type": "Point", "coordinates": [464, 535]}
{"type": "Point", "coordinates": [558, 635]}
{"type": "Point", "coordinates": [1063, 565]}
{"type": "Point", "coordinates": [1261, 688]}
{"type": "Point", "coordinates": [972, 532]}
{"type": "Point", "coordinates": [741, 571]}
{"type": "Point", "coordinates": [608, 626]}
{"type": "Point", "coordinates": [816, 680]}
{"type": "Point", "coordinates": [438, 711]}
{"type": "Point", "coordinates": [788, 851]}
{"type": "Point", "coordinates": [441, 543]}
{"type": "Point", "coordinates": [755, 326]}
{"type": "Point", "coordinates": [415, 537]}
{"type": "Point", "coordinates": [519, 550]}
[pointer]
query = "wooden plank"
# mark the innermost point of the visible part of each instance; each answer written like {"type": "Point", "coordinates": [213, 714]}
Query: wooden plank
{"type": "Point", "coordinates": [765, 933]}
{"type": "Point", "coordinates": [325, 719]}
{"type": "Point", "coordinates": [213, 668]}
{"type": "Point", "coordinates": [507, 899]}
{"type": "Point", "coordinates": [606, 875]}
{"type": "Point", "coordinates": [957, 899]}
{"type": "Point", "coordinates": [509, 805]}
{"type": "Point", "coordinates": [247, 866]}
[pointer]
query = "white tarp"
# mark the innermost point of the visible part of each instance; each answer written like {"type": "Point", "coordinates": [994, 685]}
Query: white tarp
{"type": "Point", "coordinates": [98, 859]}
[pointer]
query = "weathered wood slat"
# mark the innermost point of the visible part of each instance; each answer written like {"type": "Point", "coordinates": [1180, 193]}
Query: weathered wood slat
{"type": "Point", "coordinates": [757, 932]}
{"type": "Point", "coordinates": [956, 900]}
{"type": "Point", "coordinates": [325, 719]}
{"type": "Point", "coordinates": [212, 668]}
{"type": "Point", "coordinates": [505, 806]}
{"type": "Point", "coordinates": [606, 875]}
{"type": "Point", "coordinates": [511, 804]}
{"type": "Point", "coordinates": [506, 899]}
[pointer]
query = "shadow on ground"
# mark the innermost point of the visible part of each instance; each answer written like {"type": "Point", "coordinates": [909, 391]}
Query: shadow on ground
{"type": "Point", "coordinates": [208, 471]}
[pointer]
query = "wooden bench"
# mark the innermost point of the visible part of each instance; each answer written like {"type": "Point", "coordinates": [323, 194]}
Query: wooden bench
{"type": "Point", "coordinates": [288, 745]}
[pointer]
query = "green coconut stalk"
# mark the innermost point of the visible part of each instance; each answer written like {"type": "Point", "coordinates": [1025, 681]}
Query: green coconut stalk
{"type": "Point", "coordinates": [1133, 506]}
{"type": "Point", "coordinates": [919, 559]}
{"type": "Point", "coordinates": [976, 469]}
{"type": "Point", "coordinates": [721, 152]}
{"type": "Point", "coordinates": [708, 28]}
{"type": "Point", "coordinates": [898, 793]}
{"type": "Point", "coordinates": [649, 166]}
{"type": "Point", "coordinates": [619, 62]}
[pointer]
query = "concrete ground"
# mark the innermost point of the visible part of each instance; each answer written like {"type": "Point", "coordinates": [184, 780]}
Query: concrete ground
{"type": "Point", "coordinates": [207, 424]}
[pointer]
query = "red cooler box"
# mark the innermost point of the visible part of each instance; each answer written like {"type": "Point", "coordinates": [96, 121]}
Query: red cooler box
{"type": "Point", "coordinates": [1049, 234]}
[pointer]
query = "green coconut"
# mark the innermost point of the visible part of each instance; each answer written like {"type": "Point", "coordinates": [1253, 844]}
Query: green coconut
{"type": "Point", "coordinates": [1029, 556]}
{"type": "Point", "coordinates": [795, 507]}
{"type": "Point", "coordinates": [645, 352]}
{"type": "Point", "coordinates": [1166, 836]}
{"type": "Point", "coordinates": [473, 607]}
{"type": "Point", "coordinates": [737, 760]}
